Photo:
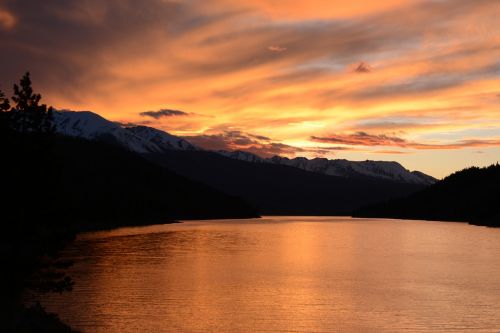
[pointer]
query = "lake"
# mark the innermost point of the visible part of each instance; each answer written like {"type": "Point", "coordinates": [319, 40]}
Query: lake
{"type": "Point", "coordinates": [285, 274]}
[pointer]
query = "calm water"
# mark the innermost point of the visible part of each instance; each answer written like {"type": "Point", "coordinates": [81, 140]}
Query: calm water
{"type": "Point", "coordinates": [285, 274]}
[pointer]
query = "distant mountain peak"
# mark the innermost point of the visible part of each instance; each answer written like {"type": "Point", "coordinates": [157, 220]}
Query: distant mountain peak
{"type": "Point", "coordinates": [242, 156]}
{"type": "Point", "coordinates": [387, 170]}
{"type": "Point", "coordinates": [140, 139]}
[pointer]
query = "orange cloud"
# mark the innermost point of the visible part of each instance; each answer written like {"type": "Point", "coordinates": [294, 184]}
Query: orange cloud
{"type": "Point", "coordinates": [319, 9]}
{"type": "Point", "coordinates": [7, 20]}
{"type": "Point", "coordinates": [268, 67]}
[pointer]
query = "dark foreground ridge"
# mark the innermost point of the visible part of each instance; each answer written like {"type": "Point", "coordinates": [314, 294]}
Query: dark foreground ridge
{"type": "Point", "coordinates": [107, 184]}
{"type": "Point", "coordinates": [470, 195]}
{"type": "Point", "coordinates": [280, 189]}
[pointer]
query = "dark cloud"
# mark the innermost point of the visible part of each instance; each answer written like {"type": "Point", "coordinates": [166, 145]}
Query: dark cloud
{"type": "Point", "coordinates": [256, 144]}
{"type": "Point", "coordinates": [362, 68]}
{"type": "Point", "coordinates": [361, 139]}
{"type": "Point", "coordinates": [372, 140]}
{"type": "Point", "coordinates": [60, 29]}
{"type": "Point", "coordinates": [393, 125]}
{"type": "Point", "coordinates": [227, 140]}
{"type": "Point", "coordinates": [274, 148]}
{"type": "Point", "coordinates": [163, 113]}
{"type": "Point", "coordinates": [260, 137]}
{"type": "Point", "coordinates": [70, 45]}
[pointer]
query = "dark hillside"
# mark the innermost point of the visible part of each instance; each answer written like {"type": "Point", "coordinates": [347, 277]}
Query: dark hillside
{"type": "Point", "coordinates": [471, 195]}
{"type": "Point", "coordinates": [279, 189]}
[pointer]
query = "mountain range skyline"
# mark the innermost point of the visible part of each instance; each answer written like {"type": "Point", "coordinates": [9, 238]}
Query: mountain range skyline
{"type": "Point", "coordinates": [146, 140]}
{"type": "Point", "coordinates": [238, 150]}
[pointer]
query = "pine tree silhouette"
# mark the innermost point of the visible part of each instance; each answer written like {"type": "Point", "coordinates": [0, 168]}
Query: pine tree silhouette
{"type": "Point", "coordinates": [28, 115]}
{"type": "Point", "coordinates": [4, 108]}
{"type": "Point", "coordinates": [4, 102]}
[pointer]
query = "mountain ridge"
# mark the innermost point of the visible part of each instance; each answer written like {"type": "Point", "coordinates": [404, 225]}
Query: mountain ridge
{"type": "Point", "coordinates": [388, 170]}
{"type": "Point", "coordinates": [146, 140]}
{"type": "Point", "coordinates": [280, 189]}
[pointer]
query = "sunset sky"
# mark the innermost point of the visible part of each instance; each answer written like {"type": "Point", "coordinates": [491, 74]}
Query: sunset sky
{"type": "Point", "coordinates": [413, 81]}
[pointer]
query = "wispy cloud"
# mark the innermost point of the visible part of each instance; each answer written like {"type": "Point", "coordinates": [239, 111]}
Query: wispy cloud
{"type": "Point", "coordinates": [390, 152]}
{"type": "Point", "coordinates": [276, 48]}
{"type": "Point", "coordinates": [361, 139]}
{"type": "Point", "coordinates": [375, 140]}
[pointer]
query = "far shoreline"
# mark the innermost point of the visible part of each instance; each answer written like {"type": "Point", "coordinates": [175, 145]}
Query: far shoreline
{"type": "Point", "coordinates": [96, 227]}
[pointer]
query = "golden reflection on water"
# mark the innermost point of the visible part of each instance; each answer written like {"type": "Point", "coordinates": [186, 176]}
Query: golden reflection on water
{"type": "Point", "coordinates": [286, 274]}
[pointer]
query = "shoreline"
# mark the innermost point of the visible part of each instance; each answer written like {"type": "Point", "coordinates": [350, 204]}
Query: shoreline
{"type": "Point", "coordinates": [474, 223]}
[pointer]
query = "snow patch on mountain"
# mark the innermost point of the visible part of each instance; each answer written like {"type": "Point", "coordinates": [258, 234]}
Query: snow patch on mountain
{"type": "Point", "coordinates": [139, 139]}
{"type": "Point", "coordinates": [242, 156]}
{"type": "Point", "coordinates": [161, 139]}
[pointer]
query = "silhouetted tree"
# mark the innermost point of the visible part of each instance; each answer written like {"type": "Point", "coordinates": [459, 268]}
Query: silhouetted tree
{"type": "Point", "coordinates": [4, 108]}
{"type": "Point", "coordinates": [470, 195]}
{"type": "Point", "coordinates": [4, 103]}
{"type": "Point", "coordinates": [28, 115]}
{"type": "Point", "coordinates": [32, 230]}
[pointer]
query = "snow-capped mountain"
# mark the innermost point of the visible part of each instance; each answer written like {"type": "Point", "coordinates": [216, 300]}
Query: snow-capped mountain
{"type": "Point", "coordinates": [139, 139]}
{"type": "Point", "coordinates": [342, 168]}
{"type": "Point", "coordinates": [242, 156]}
{"type": "Point", "coordinates": [143, 140]}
